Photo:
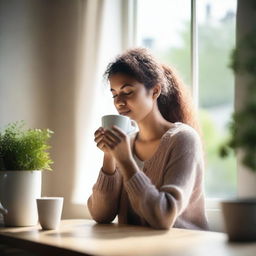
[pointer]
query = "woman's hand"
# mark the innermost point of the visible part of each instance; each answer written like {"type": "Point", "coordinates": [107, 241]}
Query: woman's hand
{"type": "Point", "coordinates": [109, 165]}
{"type": "Point", "coordinates": [99, 136]}
{"type": "Point", "coordinates": [117, 143]}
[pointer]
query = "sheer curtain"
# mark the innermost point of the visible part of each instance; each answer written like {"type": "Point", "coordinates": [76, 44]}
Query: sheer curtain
{"type": "Point", "coordinates": [97, 34]}
{"type": "Point", "coordinates": [116, 35]}
{"type": "Point", "coordinates": [81, 98]}
{"type": "Point", "coordinates": [101, 42]}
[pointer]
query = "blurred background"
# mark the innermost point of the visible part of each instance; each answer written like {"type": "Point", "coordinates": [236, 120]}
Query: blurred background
{"type": "Point", "coordinates": [54, 53]}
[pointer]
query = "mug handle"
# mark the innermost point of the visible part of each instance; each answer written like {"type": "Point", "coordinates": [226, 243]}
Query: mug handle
{"type": "Point", "coordinates": [133, 127]}
{"type": "Point", "coordinates": [3, 210]}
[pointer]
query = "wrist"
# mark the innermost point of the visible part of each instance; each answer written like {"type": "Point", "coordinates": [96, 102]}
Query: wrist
{"type": "Point", "coordinates": [128, 168]}
{"type": "Point", "coordinates": [108, 156]}
{"type": "Point", "coordinates": [109, 165]}
{"type": "Point", "coordinates": [125, 162]}
{"type": "Point", "coordinates": [112, 172]}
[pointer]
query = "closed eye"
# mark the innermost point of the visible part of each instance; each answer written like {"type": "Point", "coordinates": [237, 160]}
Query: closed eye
{"type": "Point", "coordinates": [127, 93]}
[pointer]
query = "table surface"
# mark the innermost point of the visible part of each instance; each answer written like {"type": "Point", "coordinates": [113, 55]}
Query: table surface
{"type": "Point", "coordinates": [85, 237]}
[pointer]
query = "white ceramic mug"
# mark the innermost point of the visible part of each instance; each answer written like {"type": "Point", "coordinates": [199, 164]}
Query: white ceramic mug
{"type": "Point", "coordinates": [49, 211]}
{"type": "Point", "coordinates": [123, 122]}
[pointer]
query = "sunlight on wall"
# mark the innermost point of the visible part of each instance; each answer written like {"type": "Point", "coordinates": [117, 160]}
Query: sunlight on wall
{"type": "Point", "coordinates": [89, 157]}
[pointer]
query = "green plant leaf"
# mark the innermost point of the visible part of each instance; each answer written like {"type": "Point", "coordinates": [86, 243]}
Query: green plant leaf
{"type": "Point", "coordinates": [22, 149]}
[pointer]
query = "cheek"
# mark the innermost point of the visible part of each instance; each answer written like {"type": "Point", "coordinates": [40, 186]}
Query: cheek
{"type": "Point", "coordinates": [141, 102]}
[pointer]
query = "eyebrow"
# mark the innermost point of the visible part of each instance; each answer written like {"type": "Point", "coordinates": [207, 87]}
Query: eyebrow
{"type": "Point", "coordinates": [125, 85]}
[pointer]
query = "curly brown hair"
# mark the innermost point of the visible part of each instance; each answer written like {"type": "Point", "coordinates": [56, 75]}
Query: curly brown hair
{"type": "Point", "coordinates": [174, 102]}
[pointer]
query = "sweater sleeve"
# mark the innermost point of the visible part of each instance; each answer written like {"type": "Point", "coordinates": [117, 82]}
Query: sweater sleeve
{"type": "Point", "coordinates": [160, 207]}
{"type": "Point", "coordinates": [103, 204]}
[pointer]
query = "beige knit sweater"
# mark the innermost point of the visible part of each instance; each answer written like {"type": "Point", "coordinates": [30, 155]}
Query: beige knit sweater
{"type": "Point", "coordinates": [168, 192]}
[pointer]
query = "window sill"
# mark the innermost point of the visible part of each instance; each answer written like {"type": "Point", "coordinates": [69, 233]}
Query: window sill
{"type": "Point", "coordinates": [214, 214]}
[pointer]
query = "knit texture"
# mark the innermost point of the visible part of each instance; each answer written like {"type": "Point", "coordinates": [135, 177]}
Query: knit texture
{"type": "Point", "coordinates": [168, 192]}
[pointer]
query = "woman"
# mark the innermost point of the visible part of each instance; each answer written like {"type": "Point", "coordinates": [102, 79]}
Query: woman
{"type": "Point", "coordinates": [154, 177]}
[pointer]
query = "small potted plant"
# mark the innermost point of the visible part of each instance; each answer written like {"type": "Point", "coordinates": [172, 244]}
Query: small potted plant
{"type": "Point", "coordinates": [240, 214]}
{"type": "Point", "coordinates": [23, 154]}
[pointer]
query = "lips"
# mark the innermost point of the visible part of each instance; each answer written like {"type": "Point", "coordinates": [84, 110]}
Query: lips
{"type": "Point", "coordinates": [124, 112]}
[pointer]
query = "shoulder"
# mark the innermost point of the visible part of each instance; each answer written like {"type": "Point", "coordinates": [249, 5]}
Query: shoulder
{"type": "Point", "coordinates": [182, 135]}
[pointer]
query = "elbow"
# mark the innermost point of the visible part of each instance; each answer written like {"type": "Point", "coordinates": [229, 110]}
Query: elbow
{"type": "Point", "coordinates": [100, 215]}
{"type": "Point", "coordinates": [102, 220]}
{"type": "Point", "coordinates": [162, 225]}
{"type": "Point", "coordinates": [163, 221]}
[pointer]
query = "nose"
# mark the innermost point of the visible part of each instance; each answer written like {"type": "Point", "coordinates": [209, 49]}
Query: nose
{"type": "Point", "coordinates": [119, 101]}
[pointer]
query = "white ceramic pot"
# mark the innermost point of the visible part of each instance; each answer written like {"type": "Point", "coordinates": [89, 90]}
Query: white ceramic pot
{"type": "Point", "coordinates": [18, 193]}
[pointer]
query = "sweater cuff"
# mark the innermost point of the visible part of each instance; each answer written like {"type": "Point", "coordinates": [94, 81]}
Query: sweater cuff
{"type": "Point", "coordinates": [107, 182]}
{"type": "Point", "coordinates": [137, 183]}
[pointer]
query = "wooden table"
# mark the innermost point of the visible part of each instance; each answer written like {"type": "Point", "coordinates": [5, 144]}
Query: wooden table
{"type": "Point", "coordinates": [85, 237]}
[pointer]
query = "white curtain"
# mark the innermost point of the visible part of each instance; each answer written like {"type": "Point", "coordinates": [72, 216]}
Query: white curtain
{"type": "Point", "coordinates": [87, 35]}
{"type": "Point", "coordinates": [116, 34]}
{"type": "Point", "coordinates": [99, 43]}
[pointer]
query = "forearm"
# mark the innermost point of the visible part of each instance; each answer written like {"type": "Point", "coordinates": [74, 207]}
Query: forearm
{"type": "Point", "coordinates": [158, 208]}
{"type": "Point", "coordinates": [128, 168]}
{"type": "Point", "coordinates": [104, 202]}
{"type": "Point", "coordinates": [109, 164]}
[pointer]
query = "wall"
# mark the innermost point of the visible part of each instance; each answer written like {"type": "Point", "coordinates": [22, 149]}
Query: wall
{"type": "Point", "coordinates": [21, 76]}
{"type": "Point", "coordinates": [39, 47]}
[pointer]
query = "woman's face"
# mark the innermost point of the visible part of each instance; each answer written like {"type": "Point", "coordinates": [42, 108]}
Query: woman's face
{"type": "Point", "coordinates": [131, 97]}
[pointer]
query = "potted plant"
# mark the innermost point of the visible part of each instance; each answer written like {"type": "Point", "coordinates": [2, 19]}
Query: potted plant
{"type": "Point", "coordinates": [240, 214]}
{"type": "Point", "coordinates": [23, 154]}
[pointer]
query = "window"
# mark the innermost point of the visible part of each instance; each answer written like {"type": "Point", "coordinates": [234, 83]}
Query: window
{"type": "Point", "coordinates": [216, 39]}
{"type": "Point", "coordinates": [165, 28]}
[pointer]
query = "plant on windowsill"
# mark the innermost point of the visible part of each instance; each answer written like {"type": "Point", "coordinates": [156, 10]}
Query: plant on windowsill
{"type": "Point", "coordinates": [242, 126]}
{"type": "Point", "coordinates": [23, 155]}
{"type": "Point", "coordinates": [239, 214]}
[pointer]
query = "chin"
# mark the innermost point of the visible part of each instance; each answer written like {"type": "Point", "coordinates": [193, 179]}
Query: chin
{"type": "Point", "coordinates": [130, 114]}
{"type": "Point", "coordinates": [126, 114]}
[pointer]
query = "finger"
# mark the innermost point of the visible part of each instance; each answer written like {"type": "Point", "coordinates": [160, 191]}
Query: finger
{"type": "Point", "coordinates": [101, 144]}
{"type": "Point", "coordinates": [107, 145]}
{"type": "Point", "coordinates": [110, 142]}
{"type": "Point", "coordinates": [105, 142]}
{"type": "Point", "coordinates": [99, 138]}
{"type": "Point", "coordinates": [99, 134]}
{"type": "Point", "coordinates": [119, 131]}
{"type": "Point", "coordinates": [112, 135]}
{"type": "Point", "coordinates": [99, 131]}
{"type": "Point", "coordinates": [111, 139]}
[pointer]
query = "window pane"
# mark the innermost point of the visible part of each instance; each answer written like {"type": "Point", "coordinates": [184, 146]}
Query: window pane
{"type": "Point", "coordinates": [216, 36]}
{"type": "Point", "coordinates": [164, 27]}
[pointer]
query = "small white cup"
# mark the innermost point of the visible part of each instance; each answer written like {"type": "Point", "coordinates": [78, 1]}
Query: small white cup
{"type": "Point", "coordinates": [123, 122]}
{"type": "Point", "coordinates": [49, 211]}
